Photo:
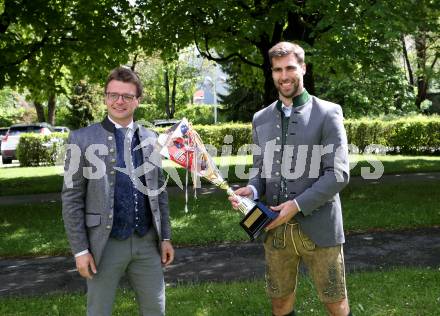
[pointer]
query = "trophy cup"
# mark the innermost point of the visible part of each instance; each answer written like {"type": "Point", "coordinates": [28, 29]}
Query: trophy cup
{"type": "Point", "coordinates": [183, 145]}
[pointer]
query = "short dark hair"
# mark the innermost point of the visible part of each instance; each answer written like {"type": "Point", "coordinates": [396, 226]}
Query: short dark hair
{"type": "Point", "coordinates": [286, 48]}
{"type": "Point", "coordinates": [125, 75]}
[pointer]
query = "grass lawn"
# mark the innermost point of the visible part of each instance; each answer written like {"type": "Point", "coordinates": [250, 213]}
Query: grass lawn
{"type": "Point", "coordinates": [37, 229]}
{"type": "Point", "coordinates": [414, 292]}
{"type": "Point", "coordinates": [33, 180]}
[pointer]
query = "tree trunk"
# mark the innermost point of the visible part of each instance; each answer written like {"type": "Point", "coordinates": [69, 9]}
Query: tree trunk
{"type": "Point", "coordinates": [309, 80]}
{"type": "Point", "coordinates": [173, 92]}
{"type": "Point", "coordinates": [270, 92]}
{"type": "Point", "coordinates": [51, 106]}
{"type": "Point", "coordinates": [422, 79]}
{"type": "Point", "coordinates": [166, 85]}
{"type": "Point", "coordinates": [408, 64]}
{"type": "Point", "coordinates": [40, 111]}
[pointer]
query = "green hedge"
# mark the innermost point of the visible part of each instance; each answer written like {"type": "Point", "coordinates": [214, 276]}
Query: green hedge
{"type": "Point", "coordinates": [415, 135]}
{"type": "Point", "coordinates": [220, 135]}
{"type": "Point", "coordinates": [408, 136]}
{"type": "Point", "coordinates": [36, 149]}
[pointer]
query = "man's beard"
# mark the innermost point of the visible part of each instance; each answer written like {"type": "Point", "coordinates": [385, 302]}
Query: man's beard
{"type": "Point", "coordinates": [295, 90]}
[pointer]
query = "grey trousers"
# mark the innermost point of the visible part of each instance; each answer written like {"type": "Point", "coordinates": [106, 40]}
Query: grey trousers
{"type": "Point", "coordinates": [140, 259]}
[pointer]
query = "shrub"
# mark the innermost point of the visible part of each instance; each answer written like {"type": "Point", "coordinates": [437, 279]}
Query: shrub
{"type": "Point", "coordinates": [234, 134]}
{"type": "Point", "coordinates": [414, 135]}
{"type": "Point", "coordinates": [197, 114]}
{"type": "Point", "coordinates": [149, 113]}
{"type": "Point", "coordinates": [36, 149]}
{"type": "Point", "coordinates": [411, 136]}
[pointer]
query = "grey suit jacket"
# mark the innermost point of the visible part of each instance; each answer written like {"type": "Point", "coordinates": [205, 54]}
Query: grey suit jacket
{"type": "Point", "coordinates": [315, 164]}
{"type": "Point", "coordinates": [88, 188]}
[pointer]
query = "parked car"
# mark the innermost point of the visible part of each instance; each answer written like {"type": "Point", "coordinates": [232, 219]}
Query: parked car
{"type": "Point", "coordinates": [61, 129]}
{"type": "Point", "coordinates": [3, 131]}
{"type": "Point", "coordinates": [165, 123]}
{"type": "Point", "coordinates": [10, 141]}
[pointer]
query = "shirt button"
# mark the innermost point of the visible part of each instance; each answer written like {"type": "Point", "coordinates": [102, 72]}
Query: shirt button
{"type": "Point", "coordinates": [112, 150]}
{"type": "Point", "coordinates": [137, 217]}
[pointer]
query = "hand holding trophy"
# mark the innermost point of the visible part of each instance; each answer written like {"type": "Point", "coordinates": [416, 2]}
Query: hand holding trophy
{"type": "Point", "coordinates": [183, 145]}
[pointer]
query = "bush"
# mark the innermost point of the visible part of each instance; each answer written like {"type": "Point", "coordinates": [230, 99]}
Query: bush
{"type": "Point", "coordinates": [197, 114]}
{"type": "Point", "coordinates": [149, 113]}
{"type": "Point", "coordinates": [234, 134]}
{"type": "Point", "coordinates": [416, 135]}
{"type": "Point", "coordinates": [36, 149]}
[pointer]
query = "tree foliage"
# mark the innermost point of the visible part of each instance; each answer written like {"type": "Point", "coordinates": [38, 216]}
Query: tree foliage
{"type": "Point", "coordinates": [349, 41]}
{"type": "Point", "coordinates": [47, 44]}
{"type": "Point", "coordinates": [168, 83]}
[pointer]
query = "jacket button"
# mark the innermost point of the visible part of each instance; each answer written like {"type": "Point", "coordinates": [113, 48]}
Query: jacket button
{"type": "Point", "coordinates": [113, 160]}
{"type": "Point", "coordinates": [278, 162]}
{"type": "Point", "coordinates": [277, 173]}
{"type": "Point", "coordinates": [112, 150]}
{"type": "Point", "coordinates": [110, 216]}
{"type": "Point", "coordinates": [110, 138]}
{"type": "Point", "coordinates": [278, 138]}
{"type": "Point", "coordinates": [108, 227]}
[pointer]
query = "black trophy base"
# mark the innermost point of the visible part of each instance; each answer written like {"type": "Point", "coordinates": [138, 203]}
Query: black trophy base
{"type": "Point", "coordinates": [256, 219]}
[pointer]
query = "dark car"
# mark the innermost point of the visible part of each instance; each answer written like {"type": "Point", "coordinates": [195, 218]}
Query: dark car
{"type": "Point", "coordinates": [61, 129]}
{"type": "Point", "coordinates": [10, 141]}
{"type": "Point", "coordinates": [165, 123]}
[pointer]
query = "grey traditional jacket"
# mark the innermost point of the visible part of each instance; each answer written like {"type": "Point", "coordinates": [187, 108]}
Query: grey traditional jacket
{"type": "Point", "coordinates": [314, 163]}
{"type": "Point", "coordinates": [88, 188]}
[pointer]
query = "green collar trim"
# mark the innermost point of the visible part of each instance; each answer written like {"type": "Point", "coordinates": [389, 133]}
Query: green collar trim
{"type": "Point", "coordinates": [299, 100]}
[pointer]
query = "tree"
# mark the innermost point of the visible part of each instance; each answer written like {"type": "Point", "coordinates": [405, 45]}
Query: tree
{"type": "Point", "coordinates": [423, 40]}
{"type": "Point", "coordinates": [168, 83]}
{"type": "Point", "coordinates": [84, 104]}
{"type": "Point", "coordinates": [47, 44]}
{"type": "Point", "coordinates": [343, 39]}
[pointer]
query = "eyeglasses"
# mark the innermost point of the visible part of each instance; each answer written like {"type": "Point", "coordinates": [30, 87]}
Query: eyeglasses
{"type": "Point", "coordinates": [113, 97]}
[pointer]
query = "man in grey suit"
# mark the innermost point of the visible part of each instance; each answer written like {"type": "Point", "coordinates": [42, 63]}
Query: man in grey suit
{"type": "Point", "coordinates": [301, 167]}
{"type": "Point", "coordinates": [115, 207]}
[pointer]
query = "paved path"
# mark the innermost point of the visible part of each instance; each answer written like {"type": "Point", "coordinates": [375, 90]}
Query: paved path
{"type": "Point", "coordinates": [228, 262]}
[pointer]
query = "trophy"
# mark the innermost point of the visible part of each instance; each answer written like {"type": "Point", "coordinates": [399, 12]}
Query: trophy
{"type": "Point", "coordinates": [183, 145]}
